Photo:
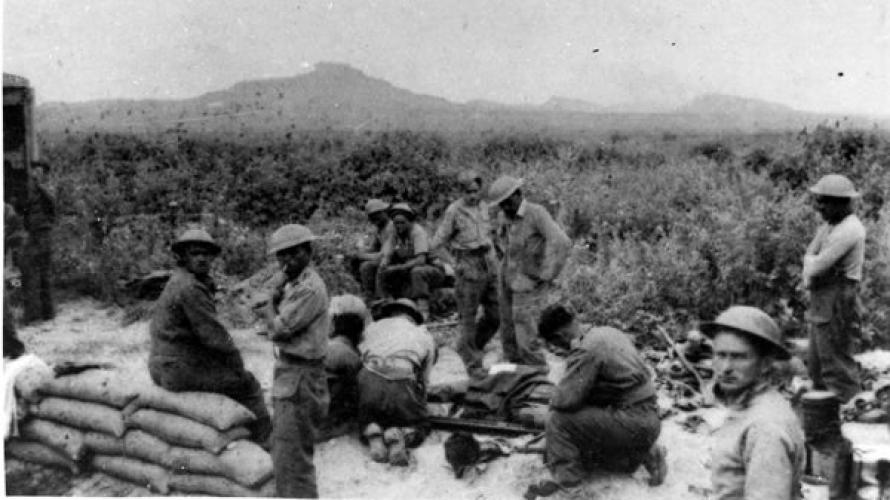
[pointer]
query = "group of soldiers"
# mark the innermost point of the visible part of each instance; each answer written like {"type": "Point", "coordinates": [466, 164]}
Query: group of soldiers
{"type": "Point", "coordinates": [334, 362]}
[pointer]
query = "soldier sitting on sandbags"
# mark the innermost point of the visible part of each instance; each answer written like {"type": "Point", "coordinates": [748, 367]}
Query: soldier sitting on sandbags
{"type": "Point", "coordinates": [398, 354]}
{"type": "Point", "coordinates": [190, 349]}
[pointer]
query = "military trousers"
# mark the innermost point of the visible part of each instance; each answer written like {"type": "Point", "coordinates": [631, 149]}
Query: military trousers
{"type": "Point", "coordinates": [475, 286]}
{"type": "Point", "coordinates": [35, 263]}
{"type": "Point", "coordinates": [300, 404]}
{"type": "Point", "coordinates": [835, 328]}
{"type": "Point", "coordinates": [520, 312]}
{"type": "Point", "coordinates": [614, 438]}
{"type": "Point", "coordinates": [415, 283]}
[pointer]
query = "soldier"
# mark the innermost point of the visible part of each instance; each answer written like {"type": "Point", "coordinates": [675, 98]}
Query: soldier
{"type": "Point", "coordinates": [466, 228]}
{"type": "Point", "coordinates": [406, 268]}
{"type": "Point", "coordinates": [13, 236]}
{"type": "Point", "coordinates": [398, 354]}
{"type": "Point", "coordinates": [832, 270]}
{"type": "Point", "coordinates": [758, 452]}
{"type": "Point", "coordinates": [36, 264]}
{"type": "Point", "coordinates": [297, 318]}
{"type": "Point", "coordinates": [603, 413]}
{"type": "Point", "coordinates": [190, 349]}
{"type": "Point", "coordinates": [364, 264]}
{"type": "Point", "coordinates": [533, 249]}
{"type": "Point", "coordinates": [343, 361]}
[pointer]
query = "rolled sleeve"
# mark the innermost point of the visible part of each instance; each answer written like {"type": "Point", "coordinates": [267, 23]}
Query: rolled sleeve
{"type": "Point", "coordinates": [421, 240]}
{"type": "Point", "coordinates": [445, 230]}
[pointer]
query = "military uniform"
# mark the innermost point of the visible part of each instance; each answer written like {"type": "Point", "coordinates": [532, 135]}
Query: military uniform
{"type": "Point", "coordinates": [191, 350]}
{"type": "Point", "coordinates": [299, 390]}
{"type": "Point", "coordinates": [342, 364]}
{"type": "Point", "coordinates": [415, 283]}
{"type": "Point", "coordinates": [36, 261]}
{"type": "Point", "coordinates": [365, 271]}
{"type": "Point", "coordinates": [603, 411]}
{"type": "Point", "coordinates": [534, 250]}
{"type": "Point", "coordinates": [832, 271]}
{"type": "Point", "coordinates": [468, 232]}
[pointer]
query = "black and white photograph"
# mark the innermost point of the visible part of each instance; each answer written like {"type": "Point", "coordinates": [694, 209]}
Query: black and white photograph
{"type": "Point", "coordinates": [436, 249]}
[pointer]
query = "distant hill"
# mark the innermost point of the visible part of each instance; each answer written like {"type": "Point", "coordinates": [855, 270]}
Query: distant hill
{"type": "Point", "coordinates": [337, 96]}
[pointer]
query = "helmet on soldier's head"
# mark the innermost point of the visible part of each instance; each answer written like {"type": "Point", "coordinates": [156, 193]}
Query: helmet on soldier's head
{"type": "Point", "coordinates": [835, 186]}
{"type": "Point", "coordinates": [402, 208]}
{"type": "Point", "coordinates": [468, 177]}
{"type": "Point", "coordinates": [752, 322]}
{"type": "Point", "coordinates": [374, 205]}
{"type": "Point", "coordinates": [195, 237]}
{"type": "Point", "coordinates": [502, 188]}
{"type": "Point", "coordinates": [289, 235]}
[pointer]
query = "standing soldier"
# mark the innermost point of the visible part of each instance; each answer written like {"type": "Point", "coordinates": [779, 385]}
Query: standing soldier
{"type": "Point", "coordinates": [406, 268]}
{"type": "Point", "coordinates": [832, 270]}
{"type": "Point", "coordinates": [364, 264]}
{"type": "Point", "coordinates": [466, 229]}
{"type": "Point", "coordinates": [36, 263]}
{"type": "Point", "coordinates": [190, 349]}
{"type": "Point", "coordinates": [533, 250]}
{"type": "Point", "coordinates": [297, 318]}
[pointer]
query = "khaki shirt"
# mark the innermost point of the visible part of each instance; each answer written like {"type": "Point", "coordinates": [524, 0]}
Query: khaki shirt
{"type": "Point", "coordinates": [302, 325]}
{"type": "Point", "coordinates": [400, 337]}
{"type": "Point", "coordinates": [533, 246]}
{"type": "Point", "coordinates": [758, 452]}
{"type": "Point", "coordinates": [837, 250]}
{"type": "Point", "coordinates": [464, 227]}
{"type": "Point", "coordinates": [397, 249]}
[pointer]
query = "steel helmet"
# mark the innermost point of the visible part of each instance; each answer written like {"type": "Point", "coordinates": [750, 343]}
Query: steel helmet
{"type": "Point", "coordinates": [468, 177]}
{"type": "Point", "coordinates": [402, 305]}
{"type": "Point", "coordinates": [349, 304]}
{"type": "Point", "coordinates": [502, 188]}
{"type": "Point", "coordinates": [403, 208]}
{"type": "Point", "coordinates": [375, 205]}
{"type": "Point", "coordinates": [836, 186]}
{"type": "Point", "coordinates": [195, 236]}
{"type": "Point", "coordinates": [289, 235]}
{"type": "Point", "coordinates": [751, 321]}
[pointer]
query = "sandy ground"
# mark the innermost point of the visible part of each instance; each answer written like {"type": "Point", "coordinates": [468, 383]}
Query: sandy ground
{"type": "Point", "coordinates": [85, 331]}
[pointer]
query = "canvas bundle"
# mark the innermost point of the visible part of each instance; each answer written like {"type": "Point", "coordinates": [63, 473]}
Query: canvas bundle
{"type": "Point", "coordinates": [242, 461]}
{"type": "Point", "coordinates": [81, 414]}
{"type": "Point", "coordinates": [181, 431]}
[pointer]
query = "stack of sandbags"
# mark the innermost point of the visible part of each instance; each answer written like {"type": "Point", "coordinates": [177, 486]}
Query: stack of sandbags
{"type": "Point", "coordinates": [191, 442]}
{"type": "Point", "coordinates": [70, 413]}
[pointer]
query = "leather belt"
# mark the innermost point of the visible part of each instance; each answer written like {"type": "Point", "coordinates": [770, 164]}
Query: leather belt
{"type": "Point", "coordinates": [294, 359]}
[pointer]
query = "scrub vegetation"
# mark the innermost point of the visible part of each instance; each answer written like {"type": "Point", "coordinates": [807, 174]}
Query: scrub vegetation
{"type": "Point", "coordinates": [668, 228]}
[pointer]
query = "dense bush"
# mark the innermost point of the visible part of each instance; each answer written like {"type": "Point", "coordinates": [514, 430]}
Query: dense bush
{"type": "Point", "coordinates": [662, 238]}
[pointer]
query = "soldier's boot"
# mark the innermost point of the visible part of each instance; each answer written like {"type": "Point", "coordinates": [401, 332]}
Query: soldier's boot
{"type": "Point", "coordinates": [374, 434]}
{"type": "Point", "coordinates": [655, 464]}
{"type": "Point", "coordinates": [395, 442]}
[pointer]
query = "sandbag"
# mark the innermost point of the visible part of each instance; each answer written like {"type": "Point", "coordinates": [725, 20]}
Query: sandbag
{"type": "Point", "coordinates": [98, 386]}
{"type": "Point", "coordinates": [136, 471]}
{"type": "Point", "coordinates": [39, 453]}
{"type": "Point", "coordinates": [81, 414]}
{"type": "Point", "coordinates": [103, 444]}
{"type": "Point", "coordinates": [217, 486]}
{"type": "Point", "coordinates": [62, 438]}
{"type": "Point", "coordinates": [142, 445]}
{"type": "Point", "coordinates": [181, 431]}
{"type": "Point", "coordinates": [216, 410]}
{"type": "Point", "coordinates": [242, 461]}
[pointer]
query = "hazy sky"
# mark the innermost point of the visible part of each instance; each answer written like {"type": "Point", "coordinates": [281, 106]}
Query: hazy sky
{"type": "Point", "coordinates": [514, 51]}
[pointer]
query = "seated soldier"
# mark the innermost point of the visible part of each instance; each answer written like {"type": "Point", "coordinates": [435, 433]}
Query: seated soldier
{"type": "Point", "coordinates": [190, 349]}
{"type": "Point", "coordinates": [398, 354]}
{"type": "Point", "coordinates": [349, 316]}
{"type": "Point", "coordinates": [758, 451]}
{"type": "Point", "coordinates": [364, 264]}
{"type": "Point", "coordinates": [603, 411]}
{"type": "Point", "coordinates": [406, 268]}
